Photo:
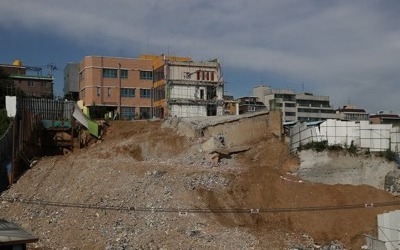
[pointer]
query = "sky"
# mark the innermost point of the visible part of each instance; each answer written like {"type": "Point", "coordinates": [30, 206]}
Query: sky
{"type": "Point", "coordinates": [347, 50]}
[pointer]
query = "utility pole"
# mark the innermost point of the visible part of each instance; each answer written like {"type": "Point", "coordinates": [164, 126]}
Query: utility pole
{"type": "Point", "coordinates": [120, 90]}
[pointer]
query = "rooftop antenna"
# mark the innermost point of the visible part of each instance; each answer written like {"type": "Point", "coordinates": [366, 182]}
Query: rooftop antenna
{"type": "Point", "coordinates": [52, 66]}
{"type": "Point", "coordinates": [302, 87]}
{"type": "Point", "coordinates": [348, 100]}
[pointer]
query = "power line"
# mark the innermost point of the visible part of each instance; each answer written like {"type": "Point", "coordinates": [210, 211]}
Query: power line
{"type": "Point", "coordinates": [199, 210]}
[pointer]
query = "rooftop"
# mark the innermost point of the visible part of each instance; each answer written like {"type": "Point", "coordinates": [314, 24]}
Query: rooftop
{"type": "Point", "coordinates": [11, 234]}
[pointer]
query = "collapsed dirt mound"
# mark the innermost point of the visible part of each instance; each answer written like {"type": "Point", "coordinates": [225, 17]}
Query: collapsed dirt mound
{"type": "Point", "coordinates": [145, 187]}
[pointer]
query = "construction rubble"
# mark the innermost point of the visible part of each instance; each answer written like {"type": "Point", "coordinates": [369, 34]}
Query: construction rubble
{"type": "Point", "coordinates": [187, 184]}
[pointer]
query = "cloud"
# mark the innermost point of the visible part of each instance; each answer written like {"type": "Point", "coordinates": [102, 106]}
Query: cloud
{"type": "Point", "coordinates": [338, 48]}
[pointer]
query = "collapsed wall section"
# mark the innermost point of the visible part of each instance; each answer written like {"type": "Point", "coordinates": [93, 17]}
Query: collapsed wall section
{"type": "Point", "coordinates": [231, 131]}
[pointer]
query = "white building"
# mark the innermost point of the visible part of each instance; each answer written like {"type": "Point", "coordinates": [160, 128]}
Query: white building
{"type": "Point", "coordinates": [186, 88]}
{"type": "Point", "coordinates": [71, 81]}
{"type": "Point", "coordinates": [295, 106]}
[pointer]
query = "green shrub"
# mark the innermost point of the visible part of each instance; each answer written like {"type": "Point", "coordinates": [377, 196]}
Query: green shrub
{"type": "Point", "coordinates": [389, 155]}
{"type": "Point", "coordinates": [318, 146]}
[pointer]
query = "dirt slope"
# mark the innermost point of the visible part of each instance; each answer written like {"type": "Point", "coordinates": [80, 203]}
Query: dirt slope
{"type": "Point", "coordinates": [133, 191]}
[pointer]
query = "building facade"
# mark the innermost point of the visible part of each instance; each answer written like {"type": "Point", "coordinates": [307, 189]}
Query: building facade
{"type": "Point", "coordinates": [314, 108]}
{"type": "Point", "coordinates": [120, 86]}
{"type": "Point", "coordinates": [278, 99]}
{"type": "Point", "coordinates": [249, 104]}
{"type": "Point", "coordinates": [303, 107]}
{"type": "Point", "coordinates": [29, 79]}
{"type": "Point", "coordinates": [384, 117]}
{"type": "Point", "coordinates": [184, 88]}
{"type": "Point", "coordinates": [71, 81]}
{"type": "Point", "coordinates": [352, 113]}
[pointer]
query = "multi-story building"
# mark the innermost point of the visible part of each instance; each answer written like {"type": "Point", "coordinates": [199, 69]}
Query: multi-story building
{"type": "Point", "coordinates": [184, 88]}
{"type": "Point", "coordinates": [314, 108]}
{"type": "Point", "coordinates": [29, 79]}
{"type": "Point", "coordinates": [71, 81]}
{"type": "Point", "coordinates": [250, 104]}
{"type": "Point", "coordinates": [117, 85]}
{"type": "Point", "coordinates": [385, 117]}
{"type": "Point", "coordinates": [296, 106]}
{"type": "Point", "coordinates": [278, 99]}
{"type": "Point", "coordinates": [352, 113]}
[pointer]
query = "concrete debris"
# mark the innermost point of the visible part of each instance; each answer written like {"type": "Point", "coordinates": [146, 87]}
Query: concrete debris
{"type": "Point", "coordinates": [148, 188]}
{"type": "Point", "coordinates": [213, 144]}
{"type": "Point", "coordinates": [392, 182]}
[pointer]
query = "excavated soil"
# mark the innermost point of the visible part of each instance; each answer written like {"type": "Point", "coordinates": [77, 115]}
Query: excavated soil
{"type": "Point", "coordinates": [144, 187]}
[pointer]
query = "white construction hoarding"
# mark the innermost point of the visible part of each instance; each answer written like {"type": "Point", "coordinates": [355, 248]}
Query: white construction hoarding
{"type": "Point", "coordinates": [389, 229]}
{"type": "Point", "coordinates": [374, 137]}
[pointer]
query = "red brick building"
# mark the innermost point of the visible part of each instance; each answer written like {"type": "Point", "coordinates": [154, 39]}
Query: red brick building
{"type": "Point", "coordinates": [29, 79]}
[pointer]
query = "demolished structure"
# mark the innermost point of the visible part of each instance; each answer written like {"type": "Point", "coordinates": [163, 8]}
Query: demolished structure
{"type": "Point", "coordinates": [184, 88]}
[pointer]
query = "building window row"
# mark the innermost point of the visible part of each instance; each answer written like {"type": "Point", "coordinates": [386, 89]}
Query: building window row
{"type": "Point", "coordinates": [315, 104]}
{"type": "Point", "coordinates": [145, 93]}
{"type": "Point", "coordinates": [290, 105]}
{"type": "Point", "coordinates": [110, 73]}
{"type": "Point", "coordinates": [205, 75]}
{"type": "Point", "coordinates": [127, 92]}
{"type": "Point", "coordinates": [290, 113]}
{"type": "Point", "coordinates": [128, 113]}
{"type": "Point", "coordinates": [286, 97]}
{"type": "Point", "coordinates": [146, 75]}
{"type": "Point", "coordinates": [124, 73]}
{"type": "Point", "coordinates": [324, 111]}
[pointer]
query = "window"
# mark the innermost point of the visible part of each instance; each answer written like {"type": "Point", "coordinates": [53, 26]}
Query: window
{"type": "Point", "coordinates": [201, 94]}
{"type": "Point", "coordinates": [98, 91]}
{"type": "Point", "coordinates": [31, 83]}
{"type": "Point", "coordinates": [290, 114]}
{"type": "Point", "coordinates": [145, 93]}
{"type": "Point", "coordinates": [159, 93]}
{"type": "Point", "coordinates": [290, 105]}
{"type": "Point", "coordinates": [159, 74]}
{"type": "Point", "coordinates": [128, 113]}
{"type": "Point", "coordinates": [124, 73]}
{"type": "Point", "coordinates": [110, 73]}
{"type": "Point", "coordinates": [43, 84]}
{"type": "Point", "coordinates": [127, 92]}
{"type": "Point", "coordinates": [146, 75]}
{"type": "Point", "coordinates": [145, 113]}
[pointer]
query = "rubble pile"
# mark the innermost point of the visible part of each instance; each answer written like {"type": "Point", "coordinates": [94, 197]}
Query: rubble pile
{"type": "Point", "coordinates": [145, 187]}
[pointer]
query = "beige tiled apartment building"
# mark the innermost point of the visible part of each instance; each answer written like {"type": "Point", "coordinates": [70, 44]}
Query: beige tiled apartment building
{"type": "Point", "coordinates": [118, 85]}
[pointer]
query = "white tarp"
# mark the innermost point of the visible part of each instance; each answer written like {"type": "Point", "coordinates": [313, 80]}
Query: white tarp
{"type": "Point", "coordinates": [80, 116]}
{"type": "Point", "coordinates": [11, 106]}
{"type": "Point", "coordinates": [388, 229]}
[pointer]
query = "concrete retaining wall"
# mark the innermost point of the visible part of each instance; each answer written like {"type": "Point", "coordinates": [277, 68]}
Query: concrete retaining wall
{"type": "Point", "coordinates": [235, 130]}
